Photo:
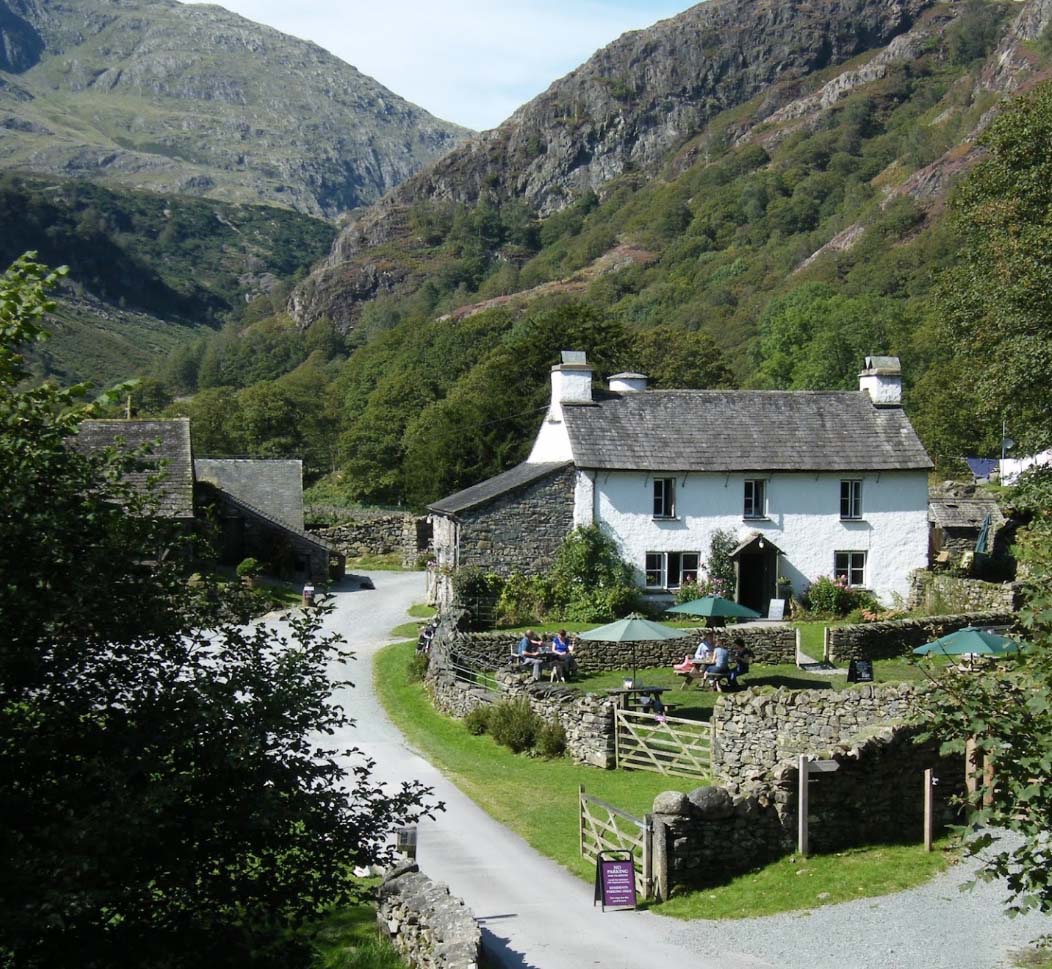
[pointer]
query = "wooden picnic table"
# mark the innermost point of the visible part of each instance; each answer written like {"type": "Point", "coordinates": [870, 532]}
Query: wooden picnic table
{"type": "Point", "coordinates": [628, 697]}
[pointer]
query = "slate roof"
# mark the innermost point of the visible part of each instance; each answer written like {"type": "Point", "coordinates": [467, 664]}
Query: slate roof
{"type": "Point", "coordinates": [239, 504]}
{"type": "Point", "coordinates": [517, 477]}
{"type": "Point", "coordinates": [742, 430]}
{"type": "Point", "coordinates": [169, 442]}
{"type": "Point", "coordinates": [274, 487]}
{"type": "Point", "coordinates": [962, 507]}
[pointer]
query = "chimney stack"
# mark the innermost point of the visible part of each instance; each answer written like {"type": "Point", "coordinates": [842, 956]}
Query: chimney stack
{"type": "Point", "coordinates": [628, 383]}
{"type": "Point", "coordinates": [572, 379]}
{"type": "Point", "coordinates": [882, 380]}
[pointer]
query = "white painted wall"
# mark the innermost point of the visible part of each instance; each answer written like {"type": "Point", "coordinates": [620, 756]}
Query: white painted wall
{"type": "Point", "coordinates": [803, 521]}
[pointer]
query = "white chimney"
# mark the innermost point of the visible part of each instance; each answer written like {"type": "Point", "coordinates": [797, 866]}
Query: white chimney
{"type": "Point", "coordinates": [882, 380]}
{"type": "Point", "coordinates": [572, 379]}
{"type": "Point", "coordinates": [628, 383]}
{"type": "Point", "coordinates": [571, 384]}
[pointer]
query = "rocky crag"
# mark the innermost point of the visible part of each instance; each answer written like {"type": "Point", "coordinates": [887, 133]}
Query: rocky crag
{"type": "Point", "coordinates": [193, 99]}
{"type": "Point", "coordinates": [645, 104]}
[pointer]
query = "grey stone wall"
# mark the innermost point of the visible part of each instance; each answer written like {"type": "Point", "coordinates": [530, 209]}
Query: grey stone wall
{"type": "Point", "coordinates": [756, 731]}
{"type": "Point", "coordinates": [875, 796]}
{"type": "Point", "coordinates": [771, 644]}
{"type": "Point", "coordinates": [520, 531]}
{"type": "Point", "coordinates": [898, 637]}
{"type": "Point", "coordinates": [407, 535]}
{"type": "Point", "coordinates": [935, 591]}
{"type": "Point", "coordinates": [587, 718]}
{"type": "Point", "coordinates": [427, 925]}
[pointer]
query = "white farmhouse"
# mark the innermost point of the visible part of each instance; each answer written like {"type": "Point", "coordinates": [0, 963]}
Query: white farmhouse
{"type": "Point", "coordinates": [811, 483]}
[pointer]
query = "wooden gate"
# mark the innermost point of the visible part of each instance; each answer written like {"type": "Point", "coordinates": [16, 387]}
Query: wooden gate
{"type": "Point", "coordinates": [604, 827]}
{"type": "Point", "coordinates": [667, 745]}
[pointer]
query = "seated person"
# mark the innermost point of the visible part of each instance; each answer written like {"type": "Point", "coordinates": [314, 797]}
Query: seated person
{"type": "Point", "coordinates": [529, 651]}
{"type": "Point", "coordinates": [562, 647]}
{"type": "Point", "coordinates": [704, 652]}
{"type": "Point", "coordinates": [720, 665]}
{"type": "Point", "coordinates": [651, 703]}
{"type": "Point", "coordinates": [423, 643]}
{"type": "Point", "coordinates": [742, 656]}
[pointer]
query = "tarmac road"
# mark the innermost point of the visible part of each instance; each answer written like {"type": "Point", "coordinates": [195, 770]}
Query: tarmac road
{"type": "Point", "coordinates": [535, 915]}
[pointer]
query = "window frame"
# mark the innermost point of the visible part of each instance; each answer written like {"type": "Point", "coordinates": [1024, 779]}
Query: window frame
{"type": "Point", "coordinates": [664, 494]}
{"type": "Point", "coordinates": [850, 567]}
{"type": "Point", "coordinates": [850, 499]}
{"type": "Point", "coordinates": [663, 567]}
{"type": "Point", "coordinates": [757, 501]}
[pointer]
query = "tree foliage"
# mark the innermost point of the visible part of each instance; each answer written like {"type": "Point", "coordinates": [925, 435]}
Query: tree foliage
{"type": "Point", "coordinates": [167, 791]}
{"type": "Point", "coordinates": [996, 300]}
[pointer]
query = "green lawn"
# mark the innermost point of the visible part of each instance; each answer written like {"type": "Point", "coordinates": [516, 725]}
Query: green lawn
{"type": "Point", "coordinates": [421, 611]}
{"type": "Point", "coordinates": [537, 799]}
{"type": "Point", "coordinates": [388, 562]}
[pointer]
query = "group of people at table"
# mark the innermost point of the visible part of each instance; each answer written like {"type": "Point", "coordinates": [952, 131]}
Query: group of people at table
{"type": "Point", "coordinates": [712, 661]}
{"type": "Point", "coordinates": [715, 663]}
{"type": "Point", "coordinates": [555, 651]}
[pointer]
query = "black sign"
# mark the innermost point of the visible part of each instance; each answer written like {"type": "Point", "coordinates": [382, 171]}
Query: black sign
{"type": "Point", "coordinates": [860, 671]}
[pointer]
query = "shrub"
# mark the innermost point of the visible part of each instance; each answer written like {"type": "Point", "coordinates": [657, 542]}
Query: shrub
{"type": "Point", "coordinates": [247, 568]}
{"type": "Point", "coordinates": [833, 597]}
{"type": "Point", "coordinates": [589, 581]}
{"type": "Point", "coordinates": [720, 566]}
{"type": "Point", "coordinates": [513, 724]}
{"type": "Point", "coordinates": [522, 600]}
{"type": "Point", "coordinates": [477, 721]}
{"type": "Point", "coordinates": [551, 741]}
{"type": "Point", "coordinates": [687, 592]}
{"type": "Point", "coordinates": [417, 667]}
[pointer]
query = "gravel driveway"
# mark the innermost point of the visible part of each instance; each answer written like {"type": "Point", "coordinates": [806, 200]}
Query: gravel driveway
{"type": "Point", "coordinates": [535, 914]}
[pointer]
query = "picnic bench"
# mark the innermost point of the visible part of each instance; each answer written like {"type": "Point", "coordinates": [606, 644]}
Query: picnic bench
{"type": "Point", "coordinates": [696, 674]}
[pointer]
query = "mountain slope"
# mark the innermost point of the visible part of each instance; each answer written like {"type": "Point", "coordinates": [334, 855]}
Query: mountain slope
{"type": "Point", "coordinates": [193, 99]}
{"type": "Point", "coordinates": [621, 111]}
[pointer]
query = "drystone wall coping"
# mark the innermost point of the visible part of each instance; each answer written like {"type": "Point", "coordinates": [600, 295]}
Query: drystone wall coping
{"type": "Point", "coordinates": [404, 534]}
{"type": "Point", "coordinates": [430, 927]}
{"type": "Point", "coordinates": [899, 637]}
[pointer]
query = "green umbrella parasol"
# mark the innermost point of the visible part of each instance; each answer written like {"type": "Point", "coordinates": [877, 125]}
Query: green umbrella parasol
{"type": "Point", "coordinates": [632, 629]}
{"type": "Point", "coordinates": [716, 607]}
{"type": "Point", "coordinates": [979, 642]}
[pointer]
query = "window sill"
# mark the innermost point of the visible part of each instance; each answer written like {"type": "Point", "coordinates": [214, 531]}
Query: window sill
{"type": "Point", "coordinates": [665, 518]}
{"type": "Point", "coordinates": [755, 518]}
{"type": "Point", "coordinates": [853, 521]}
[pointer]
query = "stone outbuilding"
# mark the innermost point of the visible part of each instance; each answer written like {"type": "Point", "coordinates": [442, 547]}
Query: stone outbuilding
{"type": "Point", "coordinates": [256, 505]}
{"type": "Point", "coordinates": [957, 514]}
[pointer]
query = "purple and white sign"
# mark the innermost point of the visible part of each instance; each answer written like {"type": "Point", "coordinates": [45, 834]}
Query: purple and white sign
{"type": "Point", "coordinates": [618, 881]}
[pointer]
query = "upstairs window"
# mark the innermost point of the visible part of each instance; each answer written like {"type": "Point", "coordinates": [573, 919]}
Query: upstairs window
{"type": "Point", "coordinates": [850, 499]}
{"type": "Point", "coordinates": [664, 497]}
{"type": "Point", "coordinates": [851, 567]}
{"type": "Point", "coordinates": [756, 498]}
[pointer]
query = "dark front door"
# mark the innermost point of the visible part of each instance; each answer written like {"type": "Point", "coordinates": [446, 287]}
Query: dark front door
{"type": "Point", "coordinates": [757, 578]}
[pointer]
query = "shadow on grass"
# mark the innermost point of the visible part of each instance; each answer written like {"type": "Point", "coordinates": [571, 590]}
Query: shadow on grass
{"type": "Point", "coordinates": [789, 682]}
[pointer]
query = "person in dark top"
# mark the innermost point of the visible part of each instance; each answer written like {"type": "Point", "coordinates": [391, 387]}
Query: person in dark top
{"type": "Point", "coordinates": [742, 657]}
{"type": "Point", "coordinates": [529, 651]}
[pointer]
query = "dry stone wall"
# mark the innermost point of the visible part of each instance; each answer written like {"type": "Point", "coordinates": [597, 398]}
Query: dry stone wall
{"type": "Point", "coordinates": [771, 644]}
{"type": "Point", "coordinates": [875, 796]}
{"type": "Point", "coordinates": [405, 534]}
{"type": "Point", "coordinates": [935, 591]}
{"type": "Point", "coordinates": [756, 731]}
{"type": "Point", "coordinates": [427, 925]}
{"type": "Point", "coordinates": [898, 637]}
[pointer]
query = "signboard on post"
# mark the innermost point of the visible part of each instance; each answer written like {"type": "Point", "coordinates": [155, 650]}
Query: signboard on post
{"type": "Point", "coordinates": [615, 880]}
{"type": "Point", "coordinates": [860, 671]}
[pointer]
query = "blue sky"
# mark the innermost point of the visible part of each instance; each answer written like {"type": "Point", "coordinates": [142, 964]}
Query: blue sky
{"type": "Point", "coordinates": [469, 61]}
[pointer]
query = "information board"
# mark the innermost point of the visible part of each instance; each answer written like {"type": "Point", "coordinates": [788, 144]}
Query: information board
{"type": "Point", "coordinates": [615, 880]}
{"type": "Point", "coordinates": [776, 609]}
{"type": "Point", "coordinates": [860, 671]}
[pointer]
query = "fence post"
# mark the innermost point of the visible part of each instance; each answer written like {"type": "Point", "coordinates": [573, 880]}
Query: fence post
{"type": "Point", "coordinates": [929, 816]}
{"type": "Point", "coordinates": [801, 806]}
{"type": "Point", "coordinates": [648, 855]}
{"type": "Point", "coordinates": [580, 818]}
{"type": "Point", "coordinates": [617, 737]}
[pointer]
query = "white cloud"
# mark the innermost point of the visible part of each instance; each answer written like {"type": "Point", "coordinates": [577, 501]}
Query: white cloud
{"type": "Point", "coordinates": [468, 61]}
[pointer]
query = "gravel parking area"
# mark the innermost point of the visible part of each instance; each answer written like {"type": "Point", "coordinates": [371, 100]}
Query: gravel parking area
{"type": "Point", "coordinates": [933, 926]}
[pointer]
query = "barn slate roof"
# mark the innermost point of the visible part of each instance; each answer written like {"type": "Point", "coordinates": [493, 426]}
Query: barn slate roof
{"type": "Point", "coordinates": [518, 477]}
{"type": "Point", "coordinates": [742, 430]}
{"type": "Point", "coordinates": [954, 506]}
{"type": "Point", "coordinates": [169, 452]}
{"type": "Point", "coordinates": [272, 486]}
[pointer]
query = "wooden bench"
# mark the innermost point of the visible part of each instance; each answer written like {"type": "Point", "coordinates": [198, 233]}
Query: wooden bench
{"type": "Point", "coordinates": [697, 674]}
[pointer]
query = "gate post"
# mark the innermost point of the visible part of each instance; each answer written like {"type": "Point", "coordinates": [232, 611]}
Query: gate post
{"type": "Point", "coordinates": [648, 856]}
